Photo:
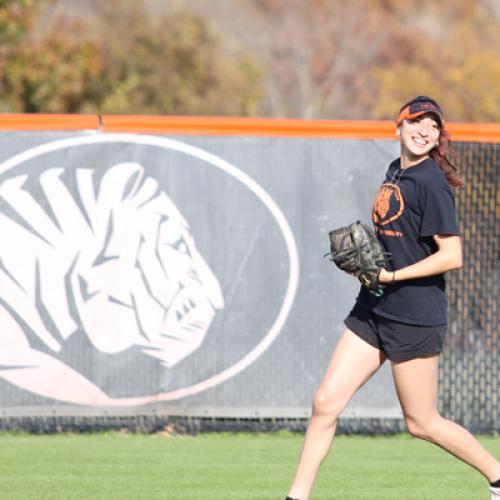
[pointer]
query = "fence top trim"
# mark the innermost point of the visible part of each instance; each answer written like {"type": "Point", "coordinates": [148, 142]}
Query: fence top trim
{"type": "Point", "coordinates": [234, 126]}
{"type": "Point", "coordinates": [29, 122]}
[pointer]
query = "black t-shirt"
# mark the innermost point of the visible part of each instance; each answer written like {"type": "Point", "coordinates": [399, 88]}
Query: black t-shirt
{"type": "Point", "coordinates": [412, 206]}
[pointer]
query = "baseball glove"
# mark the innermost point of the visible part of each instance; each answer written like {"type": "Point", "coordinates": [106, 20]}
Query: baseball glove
{"type": "Point", "coordinates": [356, 250]}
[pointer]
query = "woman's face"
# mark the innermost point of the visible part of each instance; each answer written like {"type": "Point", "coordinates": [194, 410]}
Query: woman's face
{"type": "Point", "coordinates": [419, 135]}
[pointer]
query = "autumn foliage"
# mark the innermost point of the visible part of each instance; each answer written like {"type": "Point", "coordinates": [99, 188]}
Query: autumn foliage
{"type": "Point", "coordinates": [125, 61]}
{"type": "Point", "coordinates": [281, 58]}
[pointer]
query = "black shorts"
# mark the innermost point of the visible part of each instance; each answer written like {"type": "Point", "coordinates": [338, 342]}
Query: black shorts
{"type": "Point", "coordinates": [399, 341]}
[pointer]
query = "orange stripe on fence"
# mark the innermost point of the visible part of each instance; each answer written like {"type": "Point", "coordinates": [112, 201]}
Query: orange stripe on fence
{"type": "Point", "coordinates": [269, 127]}
{"type": "Point", "coordinates": [272, 127]}
{"type": "Point", "coordinates": [48, 122]}
{"type": "Point", "coordinates": [475, 132]}
{"type": "Point", "coordinates": [229, 126]}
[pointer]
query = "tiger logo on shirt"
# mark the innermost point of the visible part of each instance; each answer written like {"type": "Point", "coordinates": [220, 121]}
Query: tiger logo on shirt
{"type": "Point", "coordinates": [388, 207]}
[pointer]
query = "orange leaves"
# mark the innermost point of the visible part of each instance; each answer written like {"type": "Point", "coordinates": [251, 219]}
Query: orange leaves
{"type": "Point", "coordinates": [135, 63]}
{"type": "Point", "coordinates": [457, 62]}
{"type": "Point", "coordinates": [51, 73]}
{"type": "Point", "coordinates": [282, 58]}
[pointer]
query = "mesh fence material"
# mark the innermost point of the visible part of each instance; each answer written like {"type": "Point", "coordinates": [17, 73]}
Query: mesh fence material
{"type": "Point", "coordinates": [470, 364]}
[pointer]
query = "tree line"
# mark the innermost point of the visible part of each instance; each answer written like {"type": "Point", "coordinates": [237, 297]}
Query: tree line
{"type": "Point", "coordinates": [280, 58]}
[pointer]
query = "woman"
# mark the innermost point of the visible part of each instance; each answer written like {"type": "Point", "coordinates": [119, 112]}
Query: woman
{"type": "Point", "coordinates": [415, 220]}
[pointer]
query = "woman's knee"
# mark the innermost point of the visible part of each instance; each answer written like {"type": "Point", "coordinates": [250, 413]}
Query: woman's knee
{"type": "Point", "coordinates": [425, 428]}
{"type": "Point", "coordinates": [326, 403]}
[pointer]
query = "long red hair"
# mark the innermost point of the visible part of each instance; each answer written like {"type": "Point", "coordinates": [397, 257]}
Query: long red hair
{"type": "Point", "coordinates": [441, 155]}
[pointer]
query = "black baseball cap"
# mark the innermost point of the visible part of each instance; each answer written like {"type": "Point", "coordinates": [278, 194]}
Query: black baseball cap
{"type": "Point", "coordinates": [418, 106]}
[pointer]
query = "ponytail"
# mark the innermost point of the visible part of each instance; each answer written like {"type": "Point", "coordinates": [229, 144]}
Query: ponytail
{"type": "Point", "coordinates": [440, 154]}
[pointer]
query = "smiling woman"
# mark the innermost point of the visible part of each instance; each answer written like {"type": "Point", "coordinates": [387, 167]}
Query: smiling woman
{"type": "Point", "coordinates": [422, 130]}
{"type": "Point", "coordinates": [418, 137]}
{"type": "Point", "coordinates": [415, 220]}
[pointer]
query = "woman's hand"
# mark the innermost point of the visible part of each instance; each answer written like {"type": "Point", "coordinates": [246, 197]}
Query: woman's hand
{"type": "Point", "coordinates": [448, 257]}
{"type": "Point", "coordinates": [385, 276]}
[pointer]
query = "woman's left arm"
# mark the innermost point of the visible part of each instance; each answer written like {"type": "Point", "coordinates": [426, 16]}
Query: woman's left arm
{"type": "Point", "coordinates": [447, 257]}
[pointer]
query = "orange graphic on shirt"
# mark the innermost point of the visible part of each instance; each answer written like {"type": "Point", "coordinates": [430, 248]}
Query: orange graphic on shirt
{"type": "Point", "coordinates": [389, 205]}
{"type": "Point", "coordinates": [383, 203]}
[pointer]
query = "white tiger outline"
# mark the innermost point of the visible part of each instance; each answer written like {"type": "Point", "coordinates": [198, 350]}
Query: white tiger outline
{"type": "Point", "coordinates": [124, 259]}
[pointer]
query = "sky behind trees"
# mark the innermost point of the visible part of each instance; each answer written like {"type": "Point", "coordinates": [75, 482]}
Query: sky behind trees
{"type": "Point", "coordinates": [318, 59]}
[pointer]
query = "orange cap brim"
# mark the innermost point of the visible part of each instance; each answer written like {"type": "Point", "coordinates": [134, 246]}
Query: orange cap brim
{"type": "Point", "coordinates": [405, 114]}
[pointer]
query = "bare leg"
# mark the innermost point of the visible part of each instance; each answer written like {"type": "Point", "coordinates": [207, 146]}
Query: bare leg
{"type": "Point", "coordinates": [416, 384]}
{"type": "Point", "coordinates": [353, 362]}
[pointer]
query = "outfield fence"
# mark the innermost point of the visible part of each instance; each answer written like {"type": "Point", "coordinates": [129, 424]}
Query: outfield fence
{"type": "Point", "coordinates": [160, 271]}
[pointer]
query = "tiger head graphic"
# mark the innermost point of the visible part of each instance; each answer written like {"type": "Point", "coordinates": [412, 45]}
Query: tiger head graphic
{"type": "Point", "coordinates": [110, 256]}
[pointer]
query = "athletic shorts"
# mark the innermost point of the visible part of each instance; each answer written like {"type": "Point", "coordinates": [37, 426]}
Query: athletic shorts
{"type": "Point", "coordinates": [399, 341]}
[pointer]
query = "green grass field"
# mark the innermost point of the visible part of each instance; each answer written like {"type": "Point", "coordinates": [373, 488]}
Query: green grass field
{"type": "Point", "coordinates": [228, 467]}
